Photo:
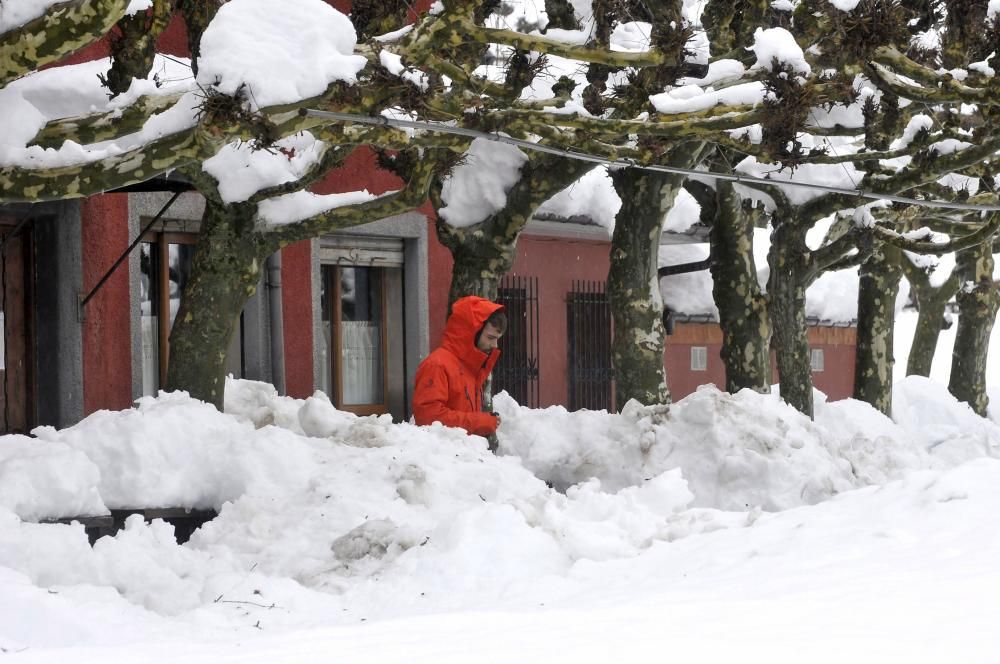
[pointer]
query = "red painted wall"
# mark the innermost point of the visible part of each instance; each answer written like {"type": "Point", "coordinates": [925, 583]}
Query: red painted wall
{"type": "Point", "coordinates": [297, 311]}
{"type": "Point", "coordinates": [838, 344]}
{"type": "Point", "coordinates": [557, 262]}
{"type": "Point", "coordinates": [173, 41]}
{"type": "Point", "coordinates": [359, 171]}
{"type": "Point", "coordinates": [681, 380]}
{"type": "Point", "coordinates": [836, 380]}
{"type": "Point", "coordinates": [439, 265]}
{"type": "Point", "coordinates": [107, 336]}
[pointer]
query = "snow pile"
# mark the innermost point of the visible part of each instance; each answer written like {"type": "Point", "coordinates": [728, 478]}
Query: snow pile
{"type": "Point", "coordinates": [174, 451]}
{"type": "Point", "coordinates": [69, 479]}
{"type": "Point", "coordinates": [936, 421]}
{"type": "Point", "coordinates": [328, 518]}
{"type": "Point", "coordinates": [736, 452]}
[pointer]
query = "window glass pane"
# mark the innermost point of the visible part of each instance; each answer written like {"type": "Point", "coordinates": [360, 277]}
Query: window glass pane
{"type": "Point", "coordinates": [180, 269]}
{"type": "Point", "coordinates": [699, 358]}
{"type": "Point", "coordinates": [816, 359]}
{"type": "Point", "coordinates": [149, 308]}
{"type": "Point", "coordinates": [361, 335]}
{"type": "Point", "coordinates": [326, 291]}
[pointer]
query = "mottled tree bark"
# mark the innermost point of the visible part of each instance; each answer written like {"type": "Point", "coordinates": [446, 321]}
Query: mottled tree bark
{"type": "Point", "coordinates": [931, 303]}
{"type": "Point", "coordinates": [978, 302]}
{"type": "Point", "coordinates": [633, 285]}
{"type": "Point", "coordinates": [64, 28]}
{"type": "Point", "coordinates": [224, 274]}
{"type": "Point", "coordinates": [786, 290]}
{"type": "Point", "coordinates": [227, 265]}
{"type": "Point", "coordinates": [483, 253]}
{"type": "Point", "coordinates": [880, 276]}
{"type": "Point", "coordinates": [743, 316]}
{"type": "Point", "coordinates": [197, 15]}
{"type": "Point", "coordinates": [133, 46]}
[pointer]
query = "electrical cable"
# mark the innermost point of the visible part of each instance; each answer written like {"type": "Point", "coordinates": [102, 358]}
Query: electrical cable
{"type": "Point", "coordinates": [631, 163]}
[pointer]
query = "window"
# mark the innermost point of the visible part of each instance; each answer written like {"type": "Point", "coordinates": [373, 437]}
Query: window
{"type": "Point", "coordinates": [699, 358]}
{"type": "Point", "coordinates": [589, 334]}
{"type": "Point", "coordinates": [353, 302]}
{"type": "Point", "coordinates": [816, 359]}
{"type": "Point", "coordinates": [517, 371]}
{"type": "Point", "coordinates": [164, 267]}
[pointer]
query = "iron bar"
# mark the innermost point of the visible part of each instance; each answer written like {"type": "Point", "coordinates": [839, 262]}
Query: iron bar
{"type": "Point", "coordinates": [135, 243]}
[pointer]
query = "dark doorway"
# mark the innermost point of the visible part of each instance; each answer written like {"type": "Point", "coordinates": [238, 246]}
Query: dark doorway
{"type": "Point", "coordinates": [17, 390]}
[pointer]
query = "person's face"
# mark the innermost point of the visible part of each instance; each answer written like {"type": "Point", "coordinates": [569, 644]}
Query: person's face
{"type": "Point", "coordinates": [488, 338]}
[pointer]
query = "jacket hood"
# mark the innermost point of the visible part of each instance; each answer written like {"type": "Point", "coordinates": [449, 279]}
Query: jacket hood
{"type": "Point", "coordinates": [468, 315]}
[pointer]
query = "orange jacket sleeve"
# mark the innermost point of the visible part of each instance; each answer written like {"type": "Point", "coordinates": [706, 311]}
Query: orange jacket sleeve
{"type": "Point", "coordinates": [430, 404]}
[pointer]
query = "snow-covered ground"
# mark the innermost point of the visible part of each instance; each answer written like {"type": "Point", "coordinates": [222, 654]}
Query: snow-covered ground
{"type": "Point", "coordinates": [730, 527]}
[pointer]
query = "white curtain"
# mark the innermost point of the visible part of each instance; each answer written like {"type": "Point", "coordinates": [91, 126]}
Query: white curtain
{"type": "Point", "coordinates": [361, 362]}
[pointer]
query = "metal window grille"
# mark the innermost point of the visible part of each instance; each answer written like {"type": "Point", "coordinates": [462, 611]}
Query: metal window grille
{"type": "Point", "coordinates": [588, 319]}
{"type": "Point", "coordinates": [517, 372]}
{"type": "Point", "coordinates": [699, 358]}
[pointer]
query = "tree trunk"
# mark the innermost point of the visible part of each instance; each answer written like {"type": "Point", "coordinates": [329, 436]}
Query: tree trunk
{"type": "Point", "coordinates": [931, 303]}
{"type": "Point", "coordinates": [480, 262]}
{"type": "Point", "coordinates": [224, 274]}
{"type": "Point", "coordinates": [483, 253]}
{"type": "Point", "coordinates": [787, 299]}
{"type": "Point", "coordinates": [633, 285]}
{"type": "Point", "coordinates": [978, 302]}
{"type": "Point", "coordinates": [746, 327]}
{"type": "Point", "coordinates": [873, 363]}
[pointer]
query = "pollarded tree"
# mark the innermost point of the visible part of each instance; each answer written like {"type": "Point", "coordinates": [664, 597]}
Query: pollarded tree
{"type": "Point", "coordinates": [742, 305]}
{"type": "Point", "coordinates": [978, 302]}
{"type": "Point", "coordinates": [931, 300]}
{"type": "Point", "coordinates": [633, 283]}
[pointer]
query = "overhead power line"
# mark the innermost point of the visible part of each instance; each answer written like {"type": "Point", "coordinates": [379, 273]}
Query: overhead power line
{"type": "Point", "coordinates": [630, 163]}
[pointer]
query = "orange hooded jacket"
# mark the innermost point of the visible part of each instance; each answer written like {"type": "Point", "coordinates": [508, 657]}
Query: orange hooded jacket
{"type": "Point", "coordinates": [449, 383]}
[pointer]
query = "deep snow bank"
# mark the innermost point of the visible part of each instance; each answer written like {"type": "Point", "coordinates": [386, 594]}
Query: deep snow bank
{"type": "Point", "coordinates": [314, 502]}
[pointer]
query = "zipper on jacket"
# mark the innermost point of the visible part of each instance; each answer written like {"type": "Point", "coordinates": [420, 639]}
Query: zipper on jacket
{"type": "Point", "coordinates": [469, 397]}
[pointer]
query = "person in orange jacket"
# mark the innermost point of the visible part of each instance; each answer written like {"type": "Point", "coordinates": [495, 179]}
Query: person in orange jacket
{"type": "Point", "coordinates": [449, 382]}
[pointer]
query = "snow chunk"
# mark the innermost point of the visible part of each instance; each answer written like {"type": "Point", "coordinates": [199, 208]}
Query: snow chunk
{"type": "Point", "coordinates": [15, 13]}
{"type": "Point", "coordinates": [281, 57]}
{"type": "Point", "coordinates": [242, 170]}
{"type": "Point", "coordinates": [142, 465]}
{"type": "Point", "coordinates": [633, 36]}
{"type": "Point", "coordinates": [593, 196]}
{"type": "Point", "coordinates": [683, 214]}
{"type": "Point", "coordinates": [691, 98]}
{"type": "Point", "coordinates": [136, 6]}
{"type": "Point", "coordinates": [478, 186]}
{"type": "Point", "coordinates": [301, 205]}
{"type": "Point", "coordinates": [47, 480]}
{"type": "Point", "coordinates": [778, 44]}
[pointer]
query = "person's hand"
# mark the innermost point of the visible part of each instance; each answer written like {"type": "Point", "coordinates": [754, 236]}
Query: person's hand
{"type": "Point", "coordinates": [496, 415]}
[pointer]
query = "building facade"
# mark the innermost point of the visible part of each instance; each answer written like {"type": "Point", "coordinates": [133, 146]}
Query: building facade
{"type": "Point", "coordinates": [90, 288]}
